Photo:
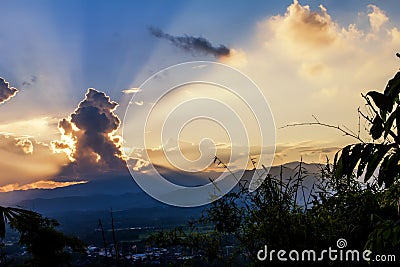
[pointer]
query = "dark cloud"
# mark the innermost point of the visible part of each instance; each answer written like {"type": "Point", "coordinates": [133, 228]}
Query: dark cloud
{"type": "Point", "coordinates": [30, 81]}
{"type": "Point", "coordinates": [192, 44]}
{"type": "Point", "coordinates": [6, 92]}
{"type": "Point", "coordinates": [91, 128]}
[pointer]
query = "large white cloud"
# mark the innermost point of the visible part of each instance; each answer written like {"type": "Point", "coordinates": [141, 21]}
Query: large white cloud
{"type": "Point", "coordinates": [308, 63]}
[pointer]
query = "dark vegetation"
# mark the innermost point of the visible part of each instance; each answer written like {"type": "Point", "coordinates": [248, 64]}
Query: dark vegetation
{"type": "Point", "coordinates": [40, 237]}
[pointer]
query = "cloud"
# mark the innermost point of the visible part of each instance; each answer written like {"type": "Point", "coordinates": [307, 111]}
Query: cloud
{"type": "Point", "coordinates": [6, 92]}
{"type": "Point", "coordinates": [194, 157]}
{"type": "Point", "coordinates": [236, 58]}
{"type": "Point", "coordinates": [25, 160]}
{"type": "Point", "coordinates": [308, 151]}
{"type": "Point", "coordinates": [313, 70]}
{"type": "Point", "coordinates": [131, 91]}
{"type": "Point", "coordinates": [299, 23]}
{"type": "Point", "coordinates": [43, 129]}
{"type": "Point", "coordinates": [139, 164]}
{"type": "Point", "coordinates": [38, 185]}
{"type": "Point", "coordinates": [26, 145]}
{"type": "Point", "coordinates": [30, 81]}
{"type": "Point", "coordinates": [376, 18]}
{"type": "Point", "coordinates": [88, 135]}
{"type": "Point", "coordinates": [192, 44]}
{"type": "Point", "coordinates": [308, 63]}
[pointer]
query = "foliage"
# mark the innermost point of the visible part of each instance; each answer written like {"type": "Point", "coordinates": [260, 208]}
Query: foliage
{"type": "Point", "coordinates": [378, 161]}
{"type": "Point", "coordinates": [39, 236]}
{"type": "Point", "coordinates": [8, 214]}
{"type": "Point", "coordinates": [273, 215]}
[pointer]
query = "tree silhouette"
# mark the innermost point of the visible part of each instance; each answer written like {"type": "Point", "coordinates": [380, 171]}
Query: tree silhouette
{"type": "Point", "coordinates": [39, 235]}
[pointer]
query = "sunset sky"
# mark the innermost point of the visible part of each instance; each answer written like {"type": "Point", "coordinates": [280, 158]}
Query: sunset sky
{"type": "Point", "coordinates": [308, 58]}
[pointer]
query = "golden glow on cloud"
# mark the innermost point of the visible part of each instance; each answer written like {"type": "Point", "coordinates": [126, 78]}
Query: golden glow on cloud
{"type": "Point", "coordinates": [236, 58]}
{"type": "Point", "coordinates": [307, 63]}
{"type": "Point", "coordinates": [43, 129]}
{"type": "Point", "coordinates": [310, 28]}
{"type": "Point", "coordinates": [67, 144]}
{"type": "Point", "coordinates": [25, 144]}
{"type": "Point", "coordinates": [26, 161]}
{"type": "Point", "coordinates": [38, 185]}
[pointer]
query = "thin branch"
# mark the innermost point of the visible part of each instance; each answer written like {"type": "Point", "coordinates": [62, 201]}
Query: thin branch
{"type": "Point", "coordinates": [317, 122]}
{"type": "Point", "coordinates": [225, 166]}
{"type": "Point", "coordinates": [359, 121]}
{"type": "Point", "coordinates": [253, 162]}
{"type": "Point", "coordinates": [350, 131]}
{"type": "Point", "coordinates": [370, 104]}
{"type": "Point", "coordinates": [366, 117]}
{"type": "Point", "coordinates": [315, 118]}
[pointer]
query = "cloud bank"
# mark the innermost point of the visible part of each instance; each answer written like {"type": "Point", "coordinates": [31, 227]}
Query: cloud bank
{"type": "Point", "coordinates": [27, 161]}
{"type": "Point", "coordinates": [307, 63]}
{"type": "Point", "coordinates": [24, 159]}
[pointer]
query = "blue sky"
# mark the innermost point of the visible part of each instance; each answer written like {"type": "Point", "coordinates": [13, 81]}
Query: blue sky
{"type": "Point", "coordinates": [108, 41]}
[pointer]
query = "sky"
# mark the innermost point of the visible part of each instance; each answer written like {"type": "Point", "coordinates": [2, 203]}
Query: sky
{"type": "Point", "coordinates": [308, 58]}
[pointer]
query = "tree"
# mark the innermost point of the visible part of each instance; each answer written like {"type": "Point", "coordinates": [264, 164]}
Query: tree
{"type": "Point", "coordinates": [10, 215]}
{"type": "Point", "coordinates": [39, 235]}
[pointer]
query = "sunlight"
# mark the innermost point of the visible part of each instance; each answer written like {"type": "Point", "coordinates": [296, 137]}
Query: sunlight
{"type": "Point", "coordinates": [38, 185]}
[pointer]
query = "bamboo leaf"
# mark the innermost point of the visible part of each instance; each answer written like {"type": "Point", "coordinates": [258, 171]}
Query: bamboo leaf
{"type": "Point", "coordinates": [382, 101]}
{"type": "Point", "coordinates": [364, 158]}
{"type": "Point", "coordinates": [389, 169]}
{"type": "Point", "coordinates": [354, 158]}
{"type": "Point", "coordinates": [377, 128]}
{"type": "Point", "coordinates": [375, 160]}
{"type": "Point", "coordinates": [398, 120]}
{"type": "Point", "coordinates": [389, 122]}
{"type": "Point", "coordinates": [392, 89]}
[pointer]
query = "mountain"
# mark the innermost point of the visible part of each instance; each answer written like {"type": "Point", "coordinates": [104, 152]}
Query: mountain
{"type": "Point", "coordinates": [100, 185]}
{"type": "Point", "coordinates": [121, 191]}
{"type": "Point", "coordinates": [104, 184]}
{"type": "Point", "coordinates": [83, 204]}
